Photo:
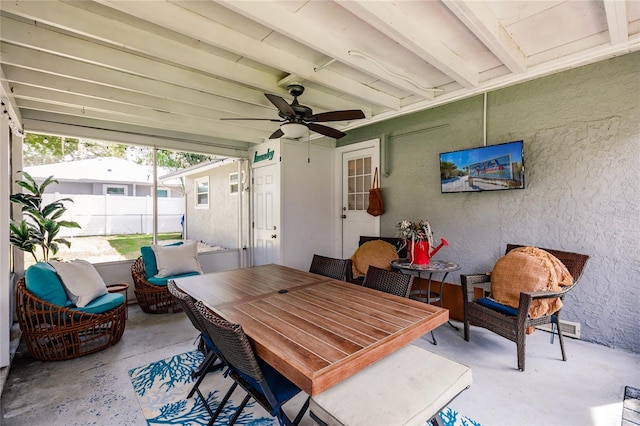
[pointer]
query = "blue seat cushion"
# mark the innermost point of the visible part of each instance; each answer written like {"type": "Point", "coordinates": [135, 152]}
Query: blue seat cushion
{"type": "Point", "coordinates": [163, 281]}
{"type": "Point", "coordinates": [149, 259]}
{"type": "Point", "coordinates": [487, 302]}
{"type": "Point", "coordinates": [103, 303]}
{"type": "Point", "coordinates": [282, 389]}
{"type": "Point", "coordinates": [42, 280]}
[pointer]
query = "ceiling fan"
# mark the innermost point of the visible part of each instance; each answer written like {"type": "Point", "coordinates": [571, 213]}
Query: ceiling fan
{"type": "Point", "coordinates": [297, 118]}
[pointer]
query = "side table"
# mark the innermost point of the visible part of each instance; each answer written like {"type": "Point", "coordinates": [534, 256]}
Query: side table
{"type": "Point", "coordinates": [120, 288]}
{"type": "Point", "coordinates": [426, 271]}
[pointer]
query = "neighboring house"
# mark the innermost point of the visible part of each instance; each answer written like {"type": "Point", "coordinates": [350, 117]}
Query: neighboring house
{"type": "Point", "coordinates": [104, 176]}
{"type": "Point", "coordinates": [112, 196]}
{"type": "Point", "coordinates": [214, 202]}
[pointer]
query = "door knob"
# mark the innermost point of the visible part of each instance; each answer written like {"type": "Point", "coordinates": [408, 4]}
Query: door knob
{"type": "Point", "coordinates": [344, 216]}
{"type": "Point", "coordinates": [274, 236]}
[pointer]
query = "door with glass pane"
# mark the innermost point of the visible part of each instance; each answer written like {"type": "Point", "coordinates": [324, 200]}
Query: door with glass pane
{"type": "Point", "coordinates": [357, 173]}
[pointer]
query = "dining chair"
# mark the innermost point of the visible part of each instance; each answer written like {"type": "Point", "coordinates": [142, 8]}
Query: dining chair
{"type": "Point", "coordinates": [388, 281]}
{"type": "Point", "coordinates": [261, 381]}
{"type": "Point", "coordinates": [329, 267]}
{"type": "Point", "coordinates": [408, 387]}
{"type": "Point", "coordinates": [512, 322]}
{"type": "Point", "coordinates": [208, 365]}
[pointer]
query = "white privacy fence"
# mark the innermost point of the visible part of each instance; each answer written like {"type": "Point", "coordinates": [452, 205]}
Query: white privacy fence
{"type": "Point", "coordinates": [112, 214]}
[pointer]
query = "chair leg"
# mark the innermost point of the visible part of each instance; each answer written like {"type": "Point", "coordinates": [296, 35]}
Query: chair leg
{"type": "Point", "coordinates": [215, 415]}
{"type": "Point", "coordinates": [564, 356]}
{"type": "Point", "coordinates": [202, 371]}
{"type": "Point", "coordinates": [521, 347]}
{"type": "Point", "coordinates": [239, 410]}
{"type": "Point", "coordinates": [303, 410]}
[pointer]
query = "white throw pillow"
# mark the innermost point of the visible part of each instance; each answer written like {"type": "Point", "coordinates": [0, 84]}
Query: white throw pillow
{"type": "Point", "coordinates": [81, 281]}
{"type": "Point", "coordinates": [176, 260]}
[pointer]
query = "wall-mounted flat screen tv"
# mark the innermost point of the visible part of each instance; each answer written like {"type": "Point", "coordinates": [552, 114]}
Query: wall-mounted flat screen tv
{"type": "Point", "coordinates": [485, 168]}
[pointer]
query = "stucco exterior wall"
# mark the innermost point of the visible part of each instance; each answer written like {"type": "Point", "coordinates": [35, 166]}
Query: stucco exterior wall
{"type": "Point", "coordinates": [217, 225]}
{"type": "Point", "coordinates": [581, 132]}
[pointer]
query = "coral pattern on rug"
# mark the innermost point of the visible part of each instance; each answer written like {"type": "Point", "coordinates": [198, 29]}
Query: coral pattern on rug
{"type": "Point", "coordinates": [162, 388]}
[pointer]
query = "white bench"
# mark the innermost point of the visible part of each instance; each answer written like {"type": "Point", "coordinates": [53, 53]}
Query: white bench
{"type": "Point", "coordinates": [409, 387]}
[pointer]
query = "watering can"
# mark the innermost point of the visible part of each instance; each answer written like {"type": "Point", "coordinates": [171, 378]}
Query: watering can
{"type": "Point", "coordinates": [419, 252]}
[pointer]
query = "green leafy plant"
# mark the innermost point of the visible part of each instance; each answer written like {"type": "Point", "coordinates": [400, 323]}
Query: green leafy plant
{"type": "Point", "coordinates": [41, 225]}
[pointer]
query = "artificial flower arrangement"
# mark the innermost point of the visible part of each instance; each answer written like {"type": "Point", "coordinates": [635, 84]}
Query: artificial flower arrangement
{"type": "Point", "coordinates": [418, 238]}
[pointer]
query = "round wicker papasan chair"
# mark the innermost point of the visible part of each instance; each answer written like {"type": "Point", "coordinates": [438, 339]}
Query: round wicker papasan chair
{"type": "Point", "coordinates": [152, 298]}
{"type": "Point", "coordinates": [55, 333]}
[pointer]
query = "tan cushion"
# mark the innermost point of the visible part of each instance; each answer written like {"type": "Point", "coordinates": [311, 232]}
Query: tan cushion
{"type": "Point", "coordinates": [377, 253]}
{"type": "Point", "coordinates": [81, 281]}
{"type": "Point", "coordinates": [408, 387]}
{"type": "Point", "coordinates": [527, 269]}
{"type": "Point", "coordinates": [176, 260]}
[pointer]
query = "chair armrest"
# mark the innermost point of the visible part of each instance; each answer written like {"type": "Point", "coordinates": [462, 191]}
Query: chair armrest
{"type": "Point", "coordinates": [472, 281]}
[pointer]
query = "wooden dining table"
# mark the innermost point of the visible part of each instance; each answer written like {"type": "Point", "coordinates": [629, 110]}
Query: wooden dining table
{"type": "Point", "coordinates": [315, 330]}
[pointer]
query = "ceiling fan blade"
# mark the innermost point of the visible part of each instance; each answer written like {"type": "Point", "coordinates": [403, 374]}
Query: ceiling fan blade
{"type": "Point", "coordinates": [327, 131]}
{"type": "Point", "coordinates": [277, 134]}
{"type": "Point", "coordinates": [281, 104]}
{"type": "Point", "coordinates": [254, 119]}
{"type": "Point", "coordinates": [349, 114]}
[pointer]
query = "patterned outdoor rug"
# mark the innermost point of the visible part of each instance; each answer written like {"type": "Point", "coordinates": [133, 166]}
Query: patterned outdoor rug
{"type": "Point", "coordinates": [162, 388]}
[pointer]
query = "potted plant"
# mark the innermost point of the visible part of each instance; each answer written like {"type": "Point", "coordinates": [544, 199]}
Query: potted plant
{"type": "Point", "coordinates": [41, 224]}
{"type": "Point", "coordinates": [418, 238]}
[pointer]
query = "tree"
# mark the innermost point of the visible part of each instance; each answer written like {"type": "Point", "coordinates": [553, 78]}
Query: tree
{"type": "Point", "coordinates": [41, 226]}
{"type": "Point", "coordinates": [47, 149]}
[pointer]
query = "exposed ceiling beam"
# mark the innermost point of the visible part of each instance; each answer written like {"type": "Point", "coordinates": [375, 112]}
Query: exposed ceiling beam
{"type": "Point", "coordinates": [316, 36]}
{"type": "Point", "coordinates": [477, 16]}
{"type": "Point", "coordinates": [185, 22]}
{"type": "Point", "coordinates": [413, 35]}
{"type": "Point", "coordinates": [617, 20]}
{"type": "Point", "coordinates": [53, 124]}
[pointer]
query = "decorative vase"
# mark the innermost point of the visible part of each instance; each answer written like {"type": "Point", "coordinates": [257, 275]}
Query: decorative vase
{"type": "Point", "coordinates": [419, 252]}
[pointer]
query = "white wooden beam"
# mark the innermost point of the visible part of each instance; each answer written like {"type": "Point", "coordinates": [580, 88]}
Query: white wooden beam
{"type": "Point", "coordinates": [183, 21]}
{"type": "Point", "coordinates": [414, 36]}
{"type": "Point", "coordinates": [617, 20]}
{"type": "Point", "coordinates": [39, 122]}
{"type": "Point", "coordinates": [314, 34]}
{"type": "Point", "coordinates": [477, 16]}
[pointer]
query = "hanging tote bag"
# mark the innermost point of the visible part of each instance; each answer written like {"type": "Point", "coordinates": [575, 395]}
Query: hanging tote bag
{"type": "Point", "coordinates": [376, 205]}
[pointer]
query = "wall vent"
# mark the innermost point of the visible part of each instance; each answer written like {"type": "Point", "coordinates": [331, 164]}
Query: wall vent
{"type": "Point", "coordinates": [569, 328]}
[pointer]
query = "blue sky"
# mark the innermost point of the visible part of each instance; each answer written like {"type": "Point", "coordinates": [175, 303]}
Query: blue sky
{"type": "Point", "coordinates": [474, 155]}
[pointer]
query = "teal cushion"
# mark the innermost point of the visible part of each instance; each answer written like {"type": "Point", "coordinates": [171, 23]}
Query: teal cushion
{"type": "Point", "coordinates": [43, 281]}
{"type": "Point", "coordinates": [163, 281]}
{"type": "Point", "coordinates": [149, 259]}
{"type": "Point", "coordinates": [103, 303]}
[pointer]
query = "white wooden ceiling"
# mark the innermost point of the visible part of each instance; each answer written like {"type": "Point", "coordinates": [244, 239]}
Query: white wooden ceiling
{"type": "Point", "coordinates": [164, 72]}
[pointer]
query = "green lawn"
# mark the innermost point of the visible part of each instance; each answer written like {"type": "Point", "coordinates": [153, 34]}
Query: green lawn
{"type": "Point", "coordinates": [129, 245]}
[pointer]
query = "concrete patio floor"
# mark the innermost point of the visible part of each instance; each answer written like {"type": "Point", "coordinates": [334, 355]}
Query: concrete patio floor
{"type": "Point", "coordinates": [588, 389]}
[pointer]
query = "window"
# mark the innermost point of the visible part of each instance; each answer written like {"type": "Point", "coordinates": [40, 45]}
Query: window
{"type": "Point", "coordinates": [202, 192]}
{"type": "Point", "coordinates": [114, 189]}
{"type": "Point", "coordinates": [162, 193]}
{"type": "Point", "coordinates": [359, 182]}
{"type": "Point", "coordinates": [233, 183]}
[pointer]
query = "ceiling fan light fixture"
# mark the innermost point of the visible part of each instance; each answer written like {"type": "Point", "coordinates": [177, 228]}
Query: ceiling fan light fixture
{"type": "Point", "coordinates": [293, 130]}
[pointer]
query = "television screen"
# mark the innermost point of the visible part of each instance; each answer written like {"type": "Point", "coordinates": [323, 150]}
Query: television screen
{"type": "Point", "coordinates": [485, 168]}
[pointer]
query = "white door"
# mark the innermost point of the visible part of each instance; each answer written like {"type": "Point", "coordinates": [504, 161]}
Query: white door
{"type": "Point", "coordinates": [358, 167]}
{"type": "Point", "coordinates": [266, 204]}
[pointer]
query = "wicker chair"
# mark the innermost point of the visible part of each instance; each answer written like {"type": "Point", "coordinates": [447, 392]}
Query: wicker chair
{"type": "Point", "coordinates": [513, 325]}
{"type": "Point", "coordinates": [261, 381]}
{"type": "Point", "coordinates": [211, 353]}
{"type": "Point", "coordinates": [55, 333]}
{"type": "Point", "coordinates": [329, 267]}
{"type": "Point", "coordinates": [388, 281]}
{"type": "Point", "coordinates": [153, 299]}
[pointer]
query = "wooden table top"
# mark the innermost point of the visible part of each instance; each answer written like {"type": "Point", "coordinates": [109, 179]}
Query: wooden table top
{"type": "Point", "coordinates": [321, 330]}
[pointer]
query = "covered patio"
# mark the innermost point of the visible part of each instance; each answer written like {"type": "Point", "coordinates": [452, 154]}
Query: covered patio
{"type": "Point", "coordinates": [430, 78]}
